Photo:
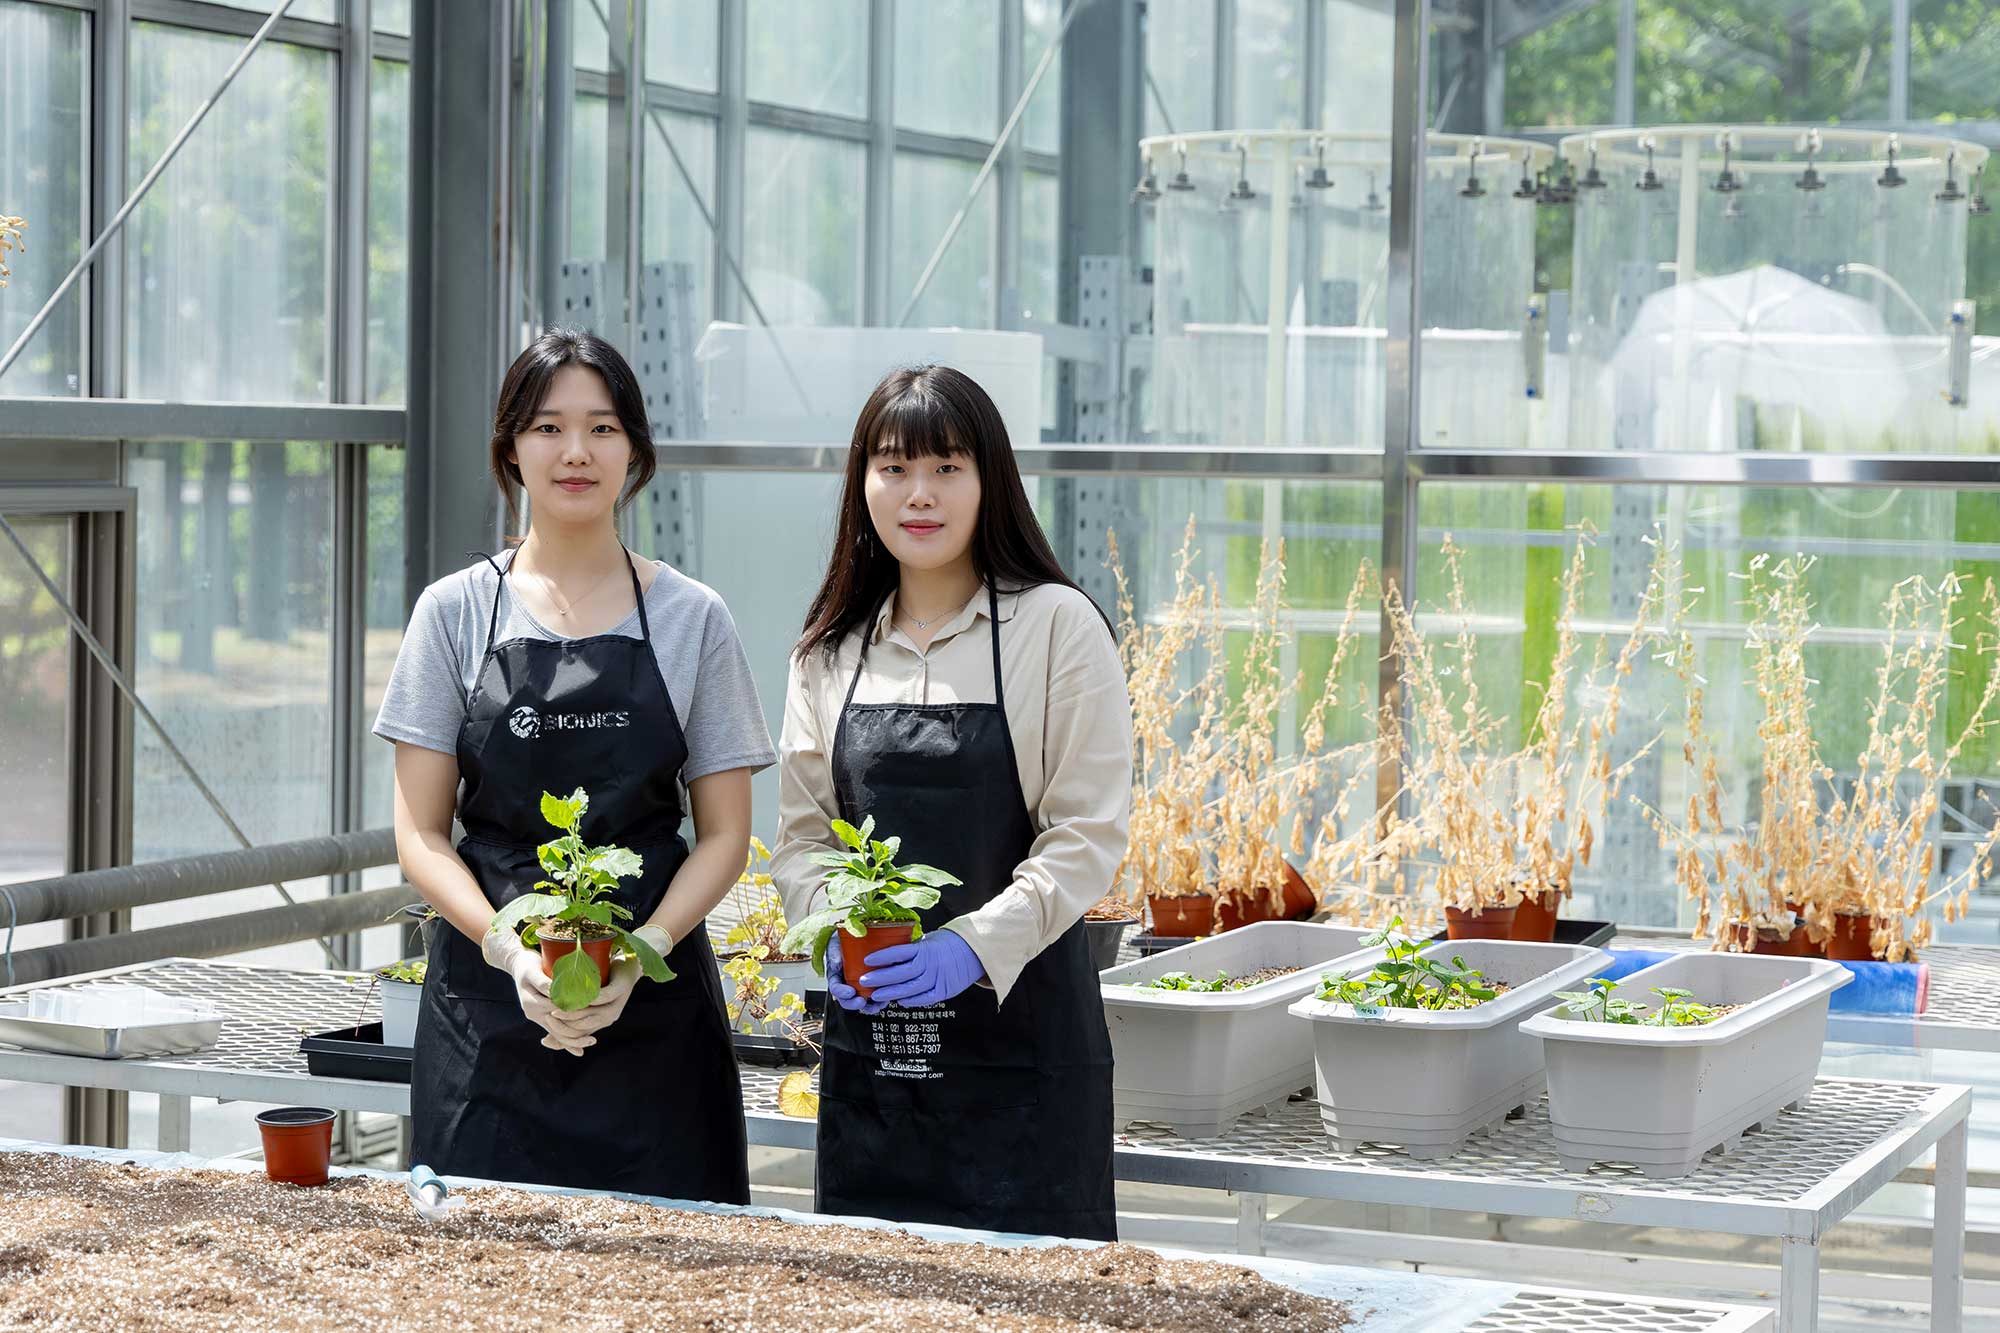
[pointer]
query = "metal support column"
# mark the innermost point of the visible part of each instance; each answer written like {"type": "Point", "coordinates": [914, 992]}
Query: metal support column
{"type": "Point", "coordinates": [1007, 202]}
{"type": "Point", "coordinates": [459, 58]}
{"type": "Point", "coordinates": [558, 117]}
{"type": "Point", "coordinates": [731, 132]}
{"type": "Point", "coordinates": [877, 217]}
{"type": "Point", "coordinates": [110, 66]}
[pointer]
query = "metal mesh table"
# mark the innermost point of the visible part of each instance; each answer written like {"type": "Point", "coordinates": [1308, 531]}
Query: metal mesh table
{"type": "Point", "coordinates": [1792, 1181]}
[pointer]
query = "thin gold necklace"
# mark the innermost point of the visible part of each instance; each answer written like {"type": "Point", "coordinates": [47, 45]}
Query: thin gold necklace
{"type": "Point", "coordinates": [555, 593]}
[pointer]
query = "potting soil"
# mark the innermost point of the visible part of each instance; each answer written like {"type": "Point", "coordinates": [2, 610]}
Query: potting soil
{"type": "Point", "coordinates": [97, 1246]}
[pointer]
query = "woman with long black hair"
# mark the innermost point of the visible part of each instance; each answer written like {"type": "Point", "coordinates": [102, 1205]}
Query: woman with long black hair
{"type": "Point", "coordinates": [955, 685]}
{"type": "Point", "coordinates": [571, 662]}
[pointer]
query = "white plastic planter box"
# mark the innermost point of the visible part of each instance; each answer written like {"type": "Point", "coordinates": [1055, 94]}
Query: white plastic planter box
{"type": "Point", "coordinates": [793, 979]}
{"type": "Point", "coordinates": [1198, 1061]}
{"type": "Point", "coordinates": [1427, 1081]}
{"type": "Point", "coordinates": [400, 1002]}
{"type": "Point", "coordinates": [1659, 1098]}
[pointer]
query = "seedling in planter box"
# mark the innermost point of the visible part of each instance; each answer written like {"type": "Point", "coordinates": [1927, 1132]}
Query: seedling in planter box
{"type": "Point", "coordinates": [1678, 1008]}
{"type": "Point", "coordinates": [866, 888]}
{"type": "Point", "coordinates": [1187, 981]}
{"type": "Point", "coordinates": [576, 906]}
{"type": "Point", "coordinates": [1405, 979]}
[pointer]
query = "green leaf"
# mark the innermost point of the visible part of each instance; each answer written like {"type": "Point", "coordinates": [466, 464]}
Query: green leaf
{"type": "Point", "coordinates": [650, 962]}
{"type": "Point", "coordinates": [619, 862]}
{"type": "Point", "coordinates": [526, 907]}
{"type": "Point", "coordinates": [917, 897]}
{"type": "Point", "coordinates": [565, 813]}
{"type": "Point", "coordinates": [837, 860]}
{"type": "Point", "coordinates": [931, 875]}
{"type": "Point", "coordinates": [865, 832]}
{"type": "Point", "coordinates": [573, 982]}
{"type": "Point", "coordinates": [848, 834]}
{"type": "Point", "coordinates": [811, 935]}
{"type": "Point", "coordinates": [598, 912]}
{"type": "Point", "coordinates": [551, 855]}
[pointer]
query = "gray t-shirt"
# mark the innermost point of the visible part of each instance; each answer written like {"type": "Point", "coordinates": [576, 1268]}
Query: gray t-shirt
{"type": "Point", "coordinates": [693, 637]}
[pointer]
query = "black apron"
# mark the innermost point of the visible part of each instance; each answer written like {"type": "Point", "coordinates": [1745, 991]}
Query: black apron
{"type": "Point", "coordinates": [655, 1106]}
{"type": "Point", "coordinates": [968, 1113]}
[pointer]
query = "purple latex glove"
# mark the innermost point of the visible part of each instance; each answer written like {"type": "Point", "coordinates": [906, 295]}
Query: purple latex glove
{"type": "Point", "coordinates": [837, 988]}
{"type": "Point", "coordinates": [930, 971]}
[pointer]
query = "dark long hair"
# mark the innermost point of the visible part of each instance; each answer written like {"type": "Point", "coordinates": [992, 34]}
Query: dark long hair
{"type": "Point", "coordinates": [927, 412]}
{"type": "Point", "coordinates": [526, 387]}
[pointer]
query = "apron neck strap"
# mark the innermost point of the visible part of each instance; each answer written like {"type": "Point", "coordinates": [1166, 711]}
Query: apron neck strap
{"type": "Point", "coordinates": [638, 594]}
{"type": "Point", "coordinates": [868, 631]}
{"type": "Point", "coordinates": [500, 578]}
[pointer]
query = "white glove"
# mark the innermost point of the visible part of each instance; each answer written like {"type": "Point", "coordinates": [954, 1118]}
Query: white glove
{"type": "Point", "coordinates": [503, 949]}
{"type": "Point", "coordinates": [603, 1011]}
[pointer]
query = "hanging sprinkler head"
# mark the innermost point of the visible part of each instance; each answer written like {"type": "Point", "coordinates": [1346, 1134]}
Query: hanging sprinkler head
{"type": "Point", "coordinates": [1810, 180]}
{"type": "Point", "coordinates": [1891, 178]}
{"type": "Point", "coordinates": [1180, 180]}
{"type": "Point", "coordinates": [1241, 191]}
{"type": "Point", "coordinates": [1564, 188]}
{"type": "Point", "coordinates": [1527, 189]}
{"type": "Point", "coordinates": [1650, 181]}
{"type": "Point", "coordinates": [1373, 203]}
{"type": "Point", "coordinates": [1950, 194]}
{"type": "Point", "coordinates": [1318, 179]}
{"type": "Point", "coordinates": [1148, 188]}
{"type": "Point", "coordinates": [1593, 179]}
{"type": "Point", "coordinates": [1473, 188]}
{"type": "Point", "coordinates": [1979, 208]}
{"type": "Point", "coordinates": [1727, 181]}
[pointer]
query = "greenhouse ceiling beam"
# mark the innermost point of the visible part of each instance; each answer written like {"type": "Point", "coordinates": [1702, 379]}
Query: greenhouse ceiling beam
{"type": "Point", "coordinates": [1622, 467]}
{"type": "Point", "coordinates": [145, 420]}
{"type": "Point", "coordinates": [1055, 460]}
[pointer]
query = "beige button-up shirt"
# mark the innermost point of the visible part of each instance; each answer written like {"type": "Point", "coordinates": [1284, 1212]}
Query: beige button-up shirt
{"type": "Point", "coordinates": [1071, 722]}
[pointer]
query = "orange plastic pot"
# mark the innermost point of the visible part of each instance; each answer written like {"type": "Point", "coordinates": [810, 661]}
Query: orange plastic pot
{"type": "Point", "coordinates": [599, 951]}
{"type": "Point", "coordinates": [1183, 917]}
{"type": "Point", "coordinates": [1849, 941]}
{"type": "Point", "coordinates": [1794, 945]}
{"type": "Point", "coordinates": [854, 957]}
{"type": "Point", "coordinates": [1296, 904]}
{"type": "Point", "coordinates": [1492, 923]}
{"type": "Point", "coordinates": [298, 1144]}
{"type": "Point", "coordinates": [1535, 918]}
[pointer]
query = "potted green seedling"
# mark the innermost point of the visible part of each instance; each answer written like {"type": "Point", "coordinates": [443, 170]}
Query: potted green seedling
{"type": "Point", "coordinates": [1657, 1086]}
{"type": "Point", "coordinates": [1421, 1045]}
{"type": "Point", "coordinates": [402, 986]}
{"type": "Point", "coordinates": [570, 917]}
{"type": "Point", "coordinates": [869, 897]}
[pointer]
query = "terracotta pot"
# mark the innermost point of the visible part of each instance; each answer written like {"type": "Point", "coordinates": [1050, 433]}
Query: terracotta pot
{"type": "Point", "coordinates": [298, 1143]}
{"type": "Point", "coordinates": [1297, 903]}
{"type": "Point", "coordinates": [1849, 941]}
{"type": "Point", "coordinates": [1535, 918]}
{"type": "Point", "coordinates": [1183, 917]}
{"type": "Point", "coordinates": [599, 951]}
{"type": "Point", "coordinates": [1794, 945]}
{"type": "Point", "coordinates": [1493, 923]}
{"type": "Point", "coordinates": [874, 937]}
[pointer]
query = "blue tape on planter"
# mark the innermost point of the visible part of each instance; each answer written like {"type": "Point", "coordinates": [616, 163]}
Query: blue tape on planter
{"type": "Point", "coordinates": [1878, 988]}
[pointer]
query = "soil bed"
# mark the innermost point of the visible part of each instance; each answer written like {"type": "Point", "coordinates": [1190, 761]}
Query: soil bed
{"type": "Point", "coordinates": [93, 1246]}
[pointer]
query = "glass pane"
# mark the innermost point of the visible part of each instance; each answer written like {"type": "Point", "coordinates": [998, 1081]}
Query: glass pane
{"type": "Point", "coordinates": [1955, 76]}
{"type": "Point", "coordinates": [320, 11]}
{"type": "Point", "coordinates": [234, 610]}
{"type": "Point", "coordinates": [682, 42]}
{"type": "Point", "coordinates": [1356, 88]}
{"type": "Point", "coordinates": [589, 181]}
{"type": "Point", "coordinates": [43, 85]}
{"type": "Point", "coordinates": [391, 16]}
{"type": "Point", "coordinates": [1041, 124]}
{"type": "Point", "coordinates": [1180, 66]}
{"type": "Point", "coordinates": [1040, 282]}
{"type": "Point", "coordinates": [802, 241]}
{"type": "Point", "coordinates": [929, 191]}
{"type": "Point", "coordinates": [674, 229]}
{"type": "Point", "coordinates": [1270, 63]}
{"type": "Point", "coordinates": [1565, 74]}
{"type": "Point", "coordinates": [811, 56]}
{"type": "Point", "coordinates": [388, 229]}
{"type": "Point", "coordinates": [590, 36]}
{"type": "Point", "coordinates": [229, 256]}
{"type": "Point", "coordinates": [948, 67]}
{"type": "Point", "coordinates": [383, 619]}
{"type": "Point", "coordinates": [34, 781]}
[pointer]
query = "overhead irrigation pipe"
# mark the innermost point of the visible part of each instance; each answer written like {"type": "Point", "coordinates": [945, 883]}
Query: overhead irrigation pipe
{"type": "Point", "coordinates": [986, 167]}
{"type": "Point", "coordinates": [117, 888]}
{"type": "Point", "coordinates": [139, 706]}
{"type": "Point", "coordinates": [111, 229]}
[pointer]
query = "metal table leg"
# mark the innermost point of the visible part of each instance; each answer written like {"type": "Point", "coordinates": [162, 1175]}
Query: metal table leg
{"type": "Point", "coordinates": [176, 1123]}
{"type": "Point", "coordinates": [1948, 1232]}
{"type": "Point", "coordinates": [1798, 1286]}
{"type": "Point", "coordinates": [1252, 1210]}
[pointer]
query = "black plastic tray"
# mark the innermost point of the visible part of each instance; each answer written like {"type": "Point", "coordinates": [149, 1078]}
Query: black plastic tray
{"type": "Point", "coordinates": [754, 1048]}
{"type": "Point", "coordinates": [1149, 944]}
{"type": "Point", "coordinates": [1590, 934]}
{"type": "Point", "coordinates": [356, 1053]}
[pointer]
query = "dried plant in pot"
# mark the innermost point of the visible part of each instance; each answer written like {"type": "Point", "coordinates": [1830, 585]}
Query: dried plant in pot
{"type": "Point", "coordinates": [1219, 799]}
{"type": "Point", "coordinates": [1833, 862]}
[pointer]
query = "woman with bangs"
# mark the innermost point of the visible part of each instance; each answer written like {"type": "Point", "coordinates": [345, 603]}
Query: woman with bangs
{"type": "Point", "coordinates": [956, 686]}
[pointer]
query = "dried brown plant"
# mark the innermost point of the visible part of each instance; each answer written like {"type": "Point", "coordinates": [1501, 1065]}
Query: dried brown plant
{"type": "Point", "coordinates": [11, 229]}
